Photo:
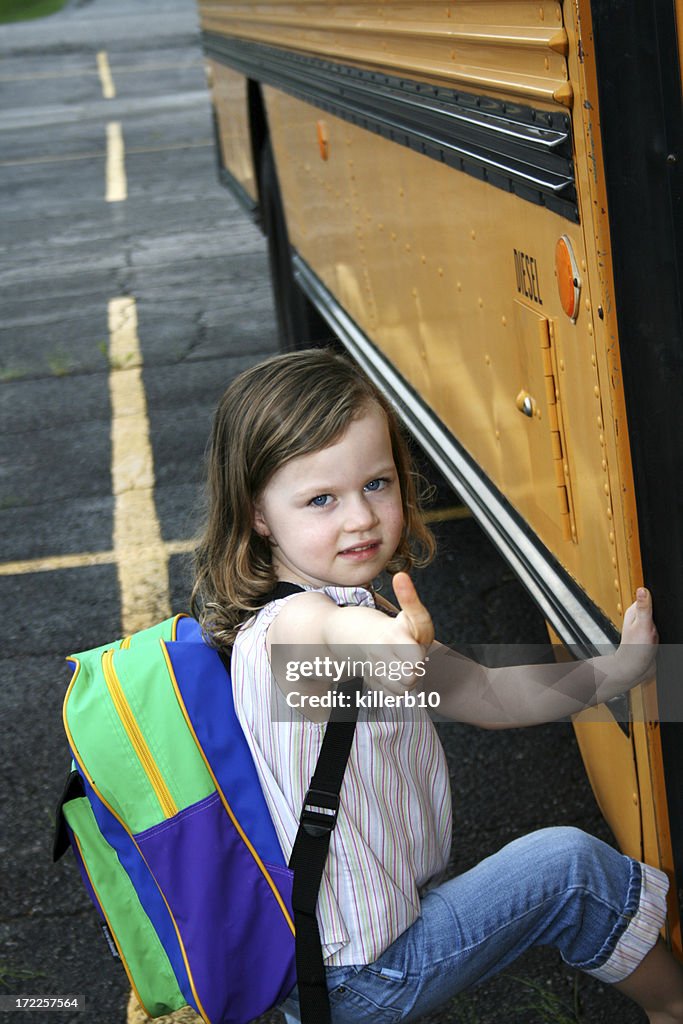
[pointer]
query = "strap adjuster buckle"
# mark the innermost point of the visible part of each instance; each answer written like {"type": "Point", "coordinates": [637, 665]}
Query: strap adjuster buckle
{"type": "Point", "coordinates": [319, 823]}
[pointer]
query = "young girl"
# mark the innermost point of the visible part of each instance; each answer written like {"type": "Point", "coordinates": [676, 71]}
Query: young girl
{"type": "Point", "coordinates": [311, 483]}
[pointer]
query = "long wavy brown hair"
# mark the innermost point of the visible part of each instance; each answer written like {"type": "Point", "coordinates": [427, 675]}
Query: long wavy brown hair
{"type": "Point", "coordinates": [280, 409]}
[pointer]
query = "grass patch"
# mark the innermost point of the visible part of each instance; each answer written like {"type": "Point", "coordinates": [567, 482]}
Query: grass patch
{"type": "Point", "coordinates": [10, 975]}
{"type": "Point", "coordinates": [536, 1003]}
{"type": "Point", "coordinates": [59, 363]}
{"type": "Point", "coordinates": [551, 1009]}
{"type": "Point", "coordinates": [22, 10]}
{"type": "Point", "coordinates": [10, 373]}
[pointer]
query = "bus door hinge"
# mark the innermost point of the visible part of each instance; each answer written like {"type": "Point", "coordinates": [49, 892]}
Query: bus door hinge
{"type": "Point", "coordinates": [551, 372]}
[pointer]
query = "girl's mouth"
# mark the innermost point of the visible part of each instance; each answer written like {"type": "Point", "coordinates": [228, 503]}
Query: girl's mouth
{"type": "Point", "coordinates": [360, 552]}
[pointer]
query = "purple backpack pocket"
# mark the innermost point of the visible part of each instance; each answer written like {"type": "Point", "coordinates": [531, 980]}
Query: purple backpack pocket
{"type": "Point", "coordinates": [227, 906]}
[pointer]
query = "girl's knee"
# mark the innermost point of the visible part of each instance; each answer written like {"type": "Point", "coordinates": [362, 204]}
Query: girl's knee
{"type": "Point", "coordinates": [564, 841]}
{"type": "Point", "coordinates": [576, 855]}
{"type": "Point", "coordinates": [590, 889]}
{"type": "Point", "coordinates": [574, 841]}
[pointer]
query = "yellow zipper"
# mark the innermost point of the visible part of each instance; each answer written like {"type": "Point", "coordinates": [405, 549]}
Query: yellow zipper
{"type": "Point", "coordinates": [136, 738]}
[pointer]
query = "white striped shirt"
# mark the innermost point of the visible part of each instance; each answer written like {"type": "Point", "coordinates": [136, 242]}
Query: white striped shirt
{"type": "Point", "coordinates": [393, 832]}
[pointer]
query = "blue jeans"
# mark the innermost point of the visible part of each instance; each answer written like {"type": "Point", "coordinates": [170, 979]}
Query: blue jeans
{"type": "Point", "coordinates": [556, 887]}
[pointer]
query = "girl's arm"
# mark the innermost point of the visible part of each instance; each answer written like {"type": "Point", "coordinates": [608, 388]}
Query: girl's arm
{"type": "Point", "coordinates": [494, 698]}
{"type": "Point", "coordinates": [313, 618]}
{"type": "Point", "coordinates": [523, 695]}
{"type": "Point", "coordinates": [311, 624]}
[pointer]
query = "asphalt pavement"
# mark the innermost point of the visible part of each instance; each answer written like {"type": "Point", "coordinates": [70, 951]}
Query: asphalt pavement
{"type": "Point", "coordinates": [154, 235]}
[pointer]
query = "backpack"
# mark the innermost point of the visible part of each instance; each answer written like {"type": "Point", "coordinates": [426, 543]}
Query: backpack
{"type": "Point", "coordinates": [171, 831]}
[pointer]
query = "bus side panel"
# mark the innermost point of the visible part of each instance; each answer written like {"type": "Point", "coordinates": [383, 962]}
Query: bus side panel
{"type": "Point", "coordinates": [610, 761]}
{"type": "Point", "coordinates": [454, 282]}
{"type": "Point", "coordinates": [633, 79]}
{"type": "Point", "coordinates": [230, 105]}
{"type": "Point", "coordinates": [513, 46]}
{"type": "Point", "coordinates": [409, 273]}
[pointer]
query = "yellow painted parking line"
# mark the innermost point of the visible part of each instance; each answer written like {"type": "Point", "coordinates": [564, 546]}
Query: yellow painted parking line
{"type": "Point", "coordinates": [443, 515]}
{"type": "Point", "coordinates": [170, 547]}
{"type": "Point", "coordinates": [104, 71]}
{"type": "Point", "coordinates": [56, 562]}
{"type": "Point", "coordinates": [180, 547]}
{"type": "Point", "coordinates": [141, 557]}
{"type": "Point", "coordinates": [82, 559]}
{"type": "Point", "coordinates": [117, 185]}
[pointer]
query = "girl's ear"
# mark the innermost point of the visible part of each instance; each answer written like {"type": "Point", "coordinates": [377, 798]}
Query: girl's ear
{"type": "Point", "coordinates": [259, 523]}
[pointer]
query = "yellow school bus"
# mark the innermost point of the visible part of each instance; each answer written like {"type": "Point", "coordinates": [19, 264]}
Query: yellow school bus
{"type": "Point", "coordinates": [482, 200]}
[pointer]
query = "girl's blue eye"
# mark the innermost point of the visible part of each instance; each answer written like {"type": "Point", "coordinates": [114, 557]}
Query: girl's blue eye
{"type": "Point", "coordinates": [320, 500]}
{"type": "Point", "coordinates": [376, 485]}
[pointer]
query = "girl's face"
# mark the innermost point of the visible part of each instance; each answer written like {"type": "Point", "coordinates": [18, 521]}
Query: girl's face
{"type": "Point", "coordinates": [335, 517]}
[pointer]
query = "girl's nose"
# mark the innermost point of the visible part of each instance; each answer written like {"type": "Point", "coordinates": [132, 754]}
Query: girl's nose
{"type": "Point", "coordinates": [360, 515]}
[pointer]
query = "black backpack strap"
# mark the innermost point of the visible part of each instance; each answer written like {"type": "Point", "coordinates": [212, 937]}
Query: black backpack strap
{"type": "Point", "coordinates": [284, 589]}
{"type": "Point", "coordinates": [73, 789]}
{"type": "Point", "coordinates": [309, 854]}
{"type": "Point", "coordinates": [317, 821]}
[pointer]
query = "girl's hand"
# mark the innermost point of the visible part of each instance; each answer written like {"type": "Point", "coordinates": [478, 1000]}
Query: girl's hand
{"type": "Point", "coordinates": [413, 613]}
{"type": "Point", "coordinates": [404, 639]}
{"type": "Point", "coordinates": [638, 648]}
{"type": "Point", "coordinates": [394, 647]}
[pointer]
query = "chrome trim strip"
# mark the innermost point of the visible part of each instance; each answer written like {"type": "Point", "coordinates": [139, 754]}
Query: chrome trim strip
{"type": "Point", "coordinates": [577, 622]}
{"type": "Point", "coordinates": [533, 135]}
{"type": "Point", "coordinates": [510, 146]}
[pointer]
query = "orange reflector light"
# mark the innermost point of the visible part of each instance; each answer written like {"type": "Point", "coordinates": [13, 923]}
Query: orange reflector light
{"type": "Point", "coordinates": [323, 141]}
{"type": "Point", "coordinates": [568, 281]}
